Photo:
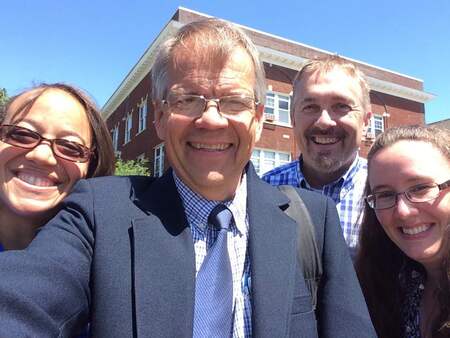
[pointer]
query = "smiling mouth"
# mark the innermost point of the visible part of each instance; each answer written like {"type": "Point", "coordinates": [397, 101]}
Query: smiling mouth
{"type": "Point", "coordinates": [325, 140]}
{"type": "Point", "coordinates": [210, 147]}
{"type": "Point", "coordinates": [416, 230]}
{"type": "Point", "coordinates": [37, 181]}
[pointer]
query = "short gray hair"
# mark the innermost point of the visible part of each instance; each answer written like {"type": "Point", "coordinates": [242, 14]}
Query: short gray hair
{"type": "Point", "coordinates": [219, 38]}
{"type": "Point", "coordinates": [327, 64]}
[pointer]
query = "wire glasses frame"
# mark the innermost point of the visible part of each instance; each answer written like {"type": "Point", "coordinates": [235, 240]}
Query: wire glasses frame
{"type": "Point", "coordinates": [195, 105]}
{"type": "Point", "coordinates": [28, 139]}
{"type": "Point", "coordinates": [416, 194]}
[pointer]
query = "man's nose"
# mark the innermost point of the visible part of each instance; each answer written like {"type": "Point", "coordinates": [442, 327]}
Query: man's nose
{"type": "Point", "coordinates": [211, 118]}
{"type": "Point", "coordinates": [325, 120]}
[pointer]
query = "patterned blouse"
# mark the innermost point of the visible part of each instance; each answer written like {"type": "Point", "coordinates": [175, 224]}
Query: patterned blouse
{"type": "Point", "coordinates": [412, 279]}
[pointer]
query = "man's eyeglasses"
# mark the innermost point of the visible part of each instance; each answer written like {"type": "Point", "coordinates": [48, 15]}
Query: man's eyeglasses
{"type": "Point", "coordinates": [416, 194]}
{"type": "Point", "coordinates": [29, 139]}
{"type": "Point", "coordinates": [195, 105]}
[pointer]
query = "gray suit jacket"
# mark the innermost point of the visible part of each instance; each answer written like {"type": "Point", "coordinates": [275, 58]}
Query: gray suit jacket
{"type": "Point", "coordinates": [120, 253]}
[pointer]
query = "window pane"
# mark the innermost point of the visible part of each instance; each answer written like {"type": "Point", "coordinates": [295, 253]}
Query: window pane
{"type": "Point", "coordinates": [283, 116]}
{"type": "Point", "coordinates": [268, 110]}
{"type": "Point", "coordinates": [283, 104]}
{"type": "Point", "coordinates": [284, 158]}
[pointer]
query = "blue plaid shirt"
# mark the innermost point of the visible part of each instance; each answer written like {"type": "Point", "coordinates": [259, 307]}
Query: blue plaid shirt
{"type": "Point", "coordinates": [347, 192]}
{"type": "Point", "coordinates": [197, 210]}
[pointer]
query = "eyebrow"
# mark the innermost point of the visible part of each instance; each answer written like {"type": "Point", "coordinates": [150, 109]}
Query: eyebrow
{"type": "Point", "coordinates": [413, 181]}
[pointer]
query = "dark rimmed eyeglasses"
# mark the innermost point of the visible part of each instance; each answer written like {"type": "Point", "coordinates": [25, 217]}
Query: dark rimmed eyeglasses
{"type": "Point", "coordinates": [28, 139]}
{"type": "Point", "coordinates": [195, 105]}
{"type": "Point", "coordinates": [416, 194]}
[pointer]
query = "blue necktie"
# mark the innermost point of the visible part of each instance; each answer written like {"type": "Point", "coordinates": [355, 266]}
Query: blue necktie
{"type": "Point", "coordinates": [213, 313]}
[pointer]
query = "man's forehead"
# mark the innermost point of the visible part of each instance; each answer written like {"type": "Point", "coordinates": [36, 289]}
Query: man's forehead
{"type": "Point", "coordinates": [336, 83]}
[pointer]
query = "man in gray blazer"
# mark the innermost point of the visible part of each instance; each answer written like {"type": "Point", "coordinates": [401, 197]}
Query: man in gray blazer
{"type": "Point", "coordinates": [138, 257]}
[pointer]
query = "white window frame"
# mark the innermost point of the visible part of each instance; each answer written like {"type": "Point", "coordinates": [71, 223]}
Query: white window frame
{"type": "Point", "coordinates": [261, 167]}
{"type": "Point", "coordinates": [277, 97]}
{"type": "Point", "coordinates": [142, 113]}
{"type": "Point", "coordinates": [115, 138]}
{"type": "Point", "coordinates": [128, 127]}
{"type": "Point", "coordinates": [158, 160]}
{"type": "Point", "coordinates": [372, 131]}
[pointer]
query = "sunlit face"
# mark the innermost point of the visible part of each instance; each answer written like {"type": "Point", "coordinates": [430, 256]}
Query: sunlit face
{"type": "Point", "coordinates": [34, 181]}
{"type": "Point", "coordinates": [209, 152]}
{"type": "Point", "coordinates": [416, 228]}
{"type": "Point", "coordinates": [329, 116]}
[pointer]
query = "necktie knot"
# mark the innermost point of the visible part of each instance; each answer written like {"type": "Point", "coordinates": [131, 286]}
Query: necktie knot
{"type": "Point", "coordinates": [220, 217]}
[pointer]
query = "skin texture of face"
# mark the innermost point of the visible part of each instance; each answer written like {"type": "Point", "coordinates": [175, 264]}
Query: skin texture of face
{"type": "Point", "coordinates": [34, 181]}
{"type": "Point", "coordinates": [329, 117]}
{"type": "Point", "coordinates": [416, 228]}
{"type": "Point", "coordinates": [209, 153]}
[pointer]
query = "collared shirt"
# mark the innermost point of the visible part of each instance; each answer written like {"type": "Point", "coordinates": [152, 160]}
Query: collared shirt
{"type": "Point", "coordinates": [347, 192]}
{"type": "Point", "coordinates": [197, 210]}
{"type": "Point", "coordinates": [412, 282]}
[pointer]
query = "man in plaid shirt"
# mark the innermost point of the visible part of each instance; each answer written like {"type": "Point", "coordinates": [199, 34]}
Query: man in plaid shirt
{"type": "Point", "coordinates": [331, 107]}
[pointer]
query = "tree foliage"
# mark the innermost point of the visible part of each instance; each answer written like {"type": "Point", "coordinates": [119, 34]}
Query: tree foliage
{"type": "Point", "coordinates": [132, 167]}
{"type": "Point", "coordinates": [3, 96]}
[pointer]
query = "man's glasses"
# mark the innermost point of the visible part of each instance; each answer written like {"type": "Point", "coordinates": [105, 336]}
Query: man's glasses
{"type": "Point", "coordinates": [29, 139]}
{"type": "Point", "coordinates": [195, 105]}
{"type": "Point", "coordinates": [416, 194]}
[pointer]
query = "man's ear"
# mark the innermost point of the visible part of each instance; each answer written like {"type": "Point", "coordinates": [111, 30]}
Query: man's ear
{"type": "Point", "coordinates": [259, 118]}
{"type": "Point", "coordinates": [159, 122]}
{"type": "Point", "coordinates": [367, 117]}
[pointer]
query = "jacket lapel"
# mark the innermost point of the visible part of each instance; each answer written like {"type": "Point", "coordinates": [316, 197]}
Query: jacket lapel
{"type": "Point", "coordinates": [272, 244]}
{"type": "Point", "coordinates": [163, 264]}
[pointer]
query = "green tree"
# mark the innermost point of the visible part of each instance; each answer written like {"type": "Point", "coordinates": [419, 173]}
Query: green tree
{"type": "Point", "coordinates": [3, 96]}
{"type": "Point", "coordinates": [132, 167]}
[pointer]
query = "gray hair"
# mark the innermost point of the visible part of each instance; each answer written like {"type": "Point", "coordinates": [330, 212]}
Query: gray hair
{"type": "Point", "coordinates": [216, 36]}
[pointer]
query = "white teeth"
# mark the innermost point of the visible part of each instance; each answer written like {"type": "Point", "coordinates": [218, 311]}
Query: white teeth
{"type": "Point", "coordinates": [210, 146]}
{"type": "Point", "coordinates": [37, 181]}
{"type": "Point", "coordinates": [325, 140]}
{"type": "Point", "coordinates": [416, 230]}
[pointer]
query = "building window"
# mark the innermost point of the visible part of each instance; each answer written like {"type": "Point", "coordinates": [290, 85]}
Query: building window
{"type": "Point", "coordinates": [115, 138]}
{"type": "Point", "coordinates": [376, 126]}
{"type": "Point", "coordinates": [128, 125]}
{"type": "Point", "coordinates": [142, 115]}
{"type": "Point", "coordinates": [265, 160]}
{"type": "Point", "coordinates": [277, 108]}
{"type": "Point", "coordinates": [158, 163]}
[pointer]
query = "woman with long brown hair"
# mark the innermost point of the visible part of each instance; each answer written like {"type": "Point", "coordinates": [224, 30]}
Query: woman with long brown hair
{"type": "Point", "coordinates": [51, 136]}
{"type": "Point", "coordinates": [404, 256]}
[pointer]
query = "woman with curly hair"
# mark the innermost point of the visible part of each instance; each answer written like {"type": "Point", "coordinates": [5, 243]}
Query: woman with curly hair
{"type": "Point", "coordinates": [403, 262]}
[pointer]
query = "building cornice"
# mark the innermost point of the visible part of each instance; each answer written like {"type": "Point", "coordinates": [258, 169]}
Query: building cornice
{"type": "Point", "coordinates": [268, 55]}
{"type": "Point", "coordinates": [290, 61]}
{"type": "Point", "coordinates": [139, 71]}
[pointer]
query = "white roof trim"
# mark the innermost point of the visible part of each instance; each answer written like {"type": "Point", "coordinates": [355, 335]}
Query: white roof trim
{"type": "Point", "coordinates": [268, 55]}
{"type": "Point", "coordinates": [295, 62]}
{"type": "Point", "coordinates": [305, 45]}
{"type": "Point", "coordinates": [139, 71]}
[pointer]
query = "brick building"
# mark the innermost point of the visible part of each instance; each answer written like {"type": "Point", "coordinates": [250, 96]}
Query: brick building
{"type": "Point", "coordinates": [395, 98]}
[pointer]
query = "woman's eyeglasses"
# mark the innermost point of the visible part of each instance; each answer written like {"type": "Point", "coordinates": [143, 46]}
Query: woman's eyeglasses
{"type": "Point", "coordinates": [417, 194]}
{"type": "Point", "coordinates": [29, 139]}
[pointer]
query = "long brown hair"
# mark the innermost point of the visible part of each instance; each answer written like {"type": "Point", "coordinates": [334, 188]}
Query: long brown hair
{"type": "Point", "coordinates": [379, 260]}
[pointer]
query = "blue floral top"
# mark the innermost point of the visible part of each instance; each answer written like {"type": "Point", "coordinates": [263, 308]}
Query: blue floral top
{"type": "Point", "coordinates": [412, 279]}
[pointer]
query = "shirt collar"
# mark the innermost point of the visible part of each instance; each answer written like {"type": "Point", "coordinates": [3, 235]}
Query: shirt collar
{"type": "Point", "coordinates": [197, 208]}
{"type": "Point", "coordinates": [344, 180]}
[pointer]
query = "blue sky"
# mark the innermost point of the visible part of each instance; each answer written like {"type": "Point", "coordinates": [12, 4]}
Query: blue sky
{"type": "Point", "coordinates": [95, 43]}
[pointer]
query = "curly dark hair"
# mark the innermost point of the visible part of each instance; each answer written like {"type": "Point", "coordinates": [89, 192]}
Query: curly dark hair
{"type": "Point", "coordinates": [379, 260]}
